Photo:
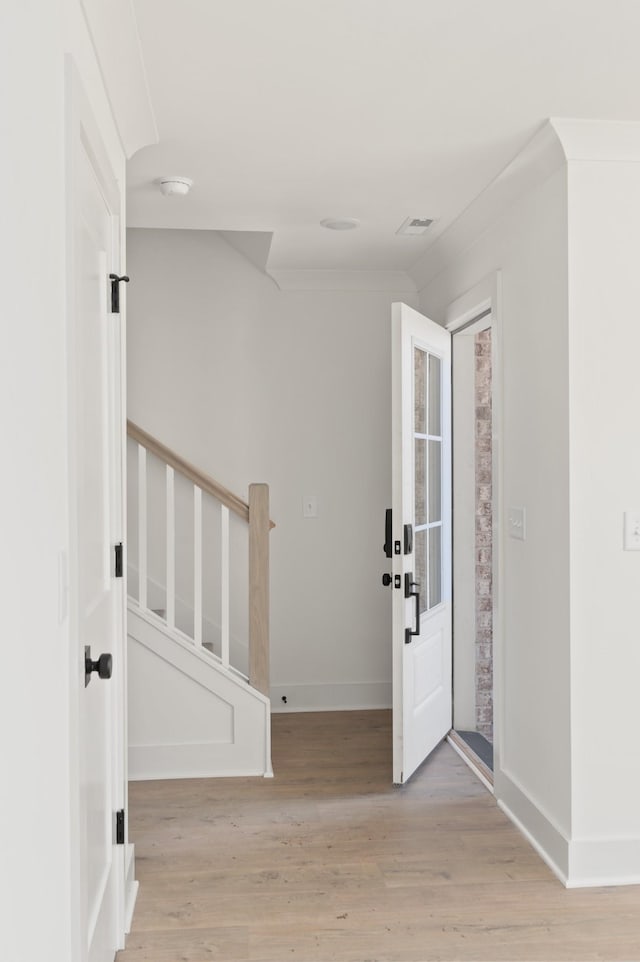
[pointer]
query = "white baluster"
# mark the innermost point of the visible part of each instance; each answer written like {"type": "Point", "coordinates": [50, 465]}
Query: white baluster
{"type": "Point", "coordinates": [171, 549]}
{"type": "Point", "coordinates": [142, 526]}
{"type": "Point", "coordinates": [197, 564]}
{"type": "Point", "coordinates": [224, 585]}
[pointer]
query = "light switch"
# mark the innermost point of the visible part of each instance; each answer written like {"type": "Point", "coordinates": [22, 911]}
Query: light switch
{"type": "Point", "coordinates": [632, 531]}
{"type": "Point", "coordinates": [309, 506]}
{"type": "Point", "coordinates": [516, 523]}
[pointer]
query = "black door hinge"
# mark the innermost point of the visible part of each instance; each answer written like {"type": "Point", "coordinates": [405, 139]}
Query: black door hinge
{"type": "Point", "coordinates": [118, 563]}
{"type": "Point", "coordinates": [120, 827]}
{"type": "Point", "coordinates": [115, 291]}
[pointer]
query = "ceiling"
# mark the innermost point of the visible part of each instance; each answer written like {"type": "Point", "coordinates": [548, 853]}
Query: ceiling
{"type": "Point", "coordinates": [285, 112]}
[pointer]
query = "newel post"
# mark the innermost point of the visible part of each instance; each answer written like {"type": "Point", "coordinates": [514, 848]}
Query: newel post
{"type": "Point", "coordinates": [259, 587]}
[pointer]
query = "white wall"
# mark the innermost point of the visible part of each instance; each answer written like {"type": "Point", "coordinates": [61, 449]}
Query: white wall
{"type": "Point", "coordinates": [34, 681]}
{"type": "Point", "coordinates": [567, 249]}
{"type": "Point", "coordinates": [37, 806]}
{"type": "Point", "coordinates": [605, 481]}
{"type": "Point", "coordinates": [528, 243]}
{"type": "Point", "coordinates": [251, 383]}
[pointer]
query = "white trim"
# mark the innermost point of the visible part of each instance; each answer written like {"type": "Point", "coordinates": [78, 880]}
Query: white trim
{"type": "Point", "coordinates": [113, 30]}
{"type": "Point", "coordinates": [207, 656]}
{"type": "Point", "coordinates": [242, 748]}
{"type": "Point", "coordinates": [171, 546]}
{"type": "Point", "coordinates": [469, 762]}
{"type": "Point", "coordinates": [598, 140]}
{"type": "Point", "coordinates": [395, 282]}
{"type": "Point", "coordinates": [487, 295]}
{"type": "Point", "coordinates": [341, 696]}
{"type": "Point", "coordinates": [546, 857]}
{"type": "Point", "coordinates": [604, 861]}
{"type": "Point", "coordinates": [131, 887]}
{"type": "Point", "coordinates": [480, 298]}
{"type": "Point", "coordinates": [225, 585]}
{"type": "Point", "coordinates": [83, 133]}
{"type": "Point", "coordinates": [197, 564]}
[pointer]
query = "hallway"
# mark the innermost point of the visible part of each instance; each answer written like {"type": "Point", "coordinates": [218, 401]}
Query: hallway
{"type": "Point", "coordinates": [328, 862]}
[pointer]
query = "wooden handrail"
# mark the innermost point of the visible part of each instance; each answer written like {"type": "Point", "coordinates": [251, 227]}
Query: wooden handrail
{"type": "Point", "coordinates": [204, 481]}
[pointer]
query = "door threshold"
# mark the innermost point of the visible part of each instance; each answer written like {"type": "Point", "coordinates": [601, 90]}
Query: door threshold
{"type": "Point", "coordinates": [474, 761]}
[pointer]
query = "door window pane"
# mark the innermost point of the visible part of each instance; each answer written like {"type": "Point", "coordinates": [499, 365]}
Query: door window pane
{"type": "Point", "coordinates": [420, 573]}
{"type": "Point", "coordinates": [420, 390]}
{"type": "Point", "coordinates": [435, 481]}
{"type": "Point", "coordinates": [435, 566]}
{"type": "Point", "coordinates": [420, 480]}
{"type": "Point", "coordinates": [435, 404]}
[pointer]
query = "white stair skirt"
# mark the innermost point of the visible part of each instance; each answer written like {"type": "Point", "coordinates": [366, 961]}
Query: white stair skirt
{"type": "Point", "coordinates": [189, 716]}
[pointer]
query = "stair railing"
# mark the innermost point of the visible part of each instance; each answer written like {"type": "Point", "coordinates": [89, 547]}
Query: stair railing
{"type": "Point", "coordinates": [255, 513]}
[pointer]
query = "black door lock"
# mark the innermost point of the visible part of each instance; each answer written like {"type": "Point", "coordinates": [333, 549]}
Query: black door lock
{"type": "Point", "coordinates": [103, 666]}
{"type": "Point", "coordinates": [387, 579]}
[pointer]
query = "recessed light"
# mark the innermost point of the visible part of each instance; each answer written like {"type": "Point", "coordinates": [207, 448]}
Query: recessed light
{"type": "Point", "coordinates": [340, 223]}
{"type": "Point", "coordinates": [415, 225]}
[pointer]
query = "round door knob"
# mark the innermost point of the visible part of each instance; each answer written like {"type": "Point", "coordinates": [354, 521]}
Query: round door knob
{"type": "Point", "coordinates": [386, 580]}
{"type": "Point", "coordinates": [103, 666]}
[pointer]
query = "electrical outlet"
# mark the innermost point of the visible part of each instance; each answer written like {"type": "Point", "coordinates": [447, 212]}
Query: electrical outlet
{"type": "Point", "coordinates": [516, 523]}
{"type": "Point", "coordinates": [632, 531]}
{"type": "Point", "coordinates": [309, 506]}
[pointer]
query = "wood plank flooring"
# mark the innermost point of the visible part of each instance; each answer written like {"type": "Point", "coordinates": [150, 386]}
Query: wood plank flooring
{"type": "Point", "coordinates": [328, 862]}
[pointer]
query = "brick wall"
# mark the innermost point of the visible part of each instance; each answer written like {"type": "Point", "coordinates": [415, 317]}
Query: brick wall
{"type": "Point", "coordinates": [484, 616]}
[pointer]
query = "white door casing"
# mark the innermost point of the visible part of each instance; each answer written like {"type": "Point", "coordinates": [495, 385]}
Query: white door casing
{"type": "Point", "coordinates": [421, 498]}
{"type": "Point", "coordinates": [95, 598]}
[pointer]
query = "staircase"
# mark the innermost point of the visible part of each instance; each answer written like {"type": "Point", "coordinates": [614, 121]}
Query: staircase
{"type": "Point", "coordinates": [198, 620]}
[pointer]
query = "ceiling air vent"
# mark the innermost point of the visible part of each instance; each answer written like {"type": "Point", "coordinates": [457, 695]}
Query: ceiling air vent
{"type": "Point", "coordinates": [415, 225]}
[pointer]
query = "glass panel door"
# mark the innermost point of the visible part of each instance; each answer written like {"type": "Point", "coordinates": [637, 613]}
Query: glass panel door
{"type": "Point", "coordinates": [427, 443]}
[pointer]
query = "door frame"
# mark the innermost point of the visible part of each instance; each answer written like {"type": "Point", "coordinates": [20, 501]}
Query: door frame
{"type": "Point", "coordinates": [487, 296]}
{"type": "Point", "coordinates": [81, 128]}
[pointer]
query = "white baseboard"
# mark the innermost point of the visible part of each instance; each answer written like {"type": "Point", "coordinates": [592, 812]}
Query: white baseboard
{"type": "Point", "coordinates": [578, 863]}
{"type": "Point", "coordinates": [131, 888]}
{"type": "Point", "coordinates": [203, 760]}
{"type": "Point", "coordinates": [339, 697]}
{"type": "Point", "coordinates": [595, 862]}
{"type": "Point", "coordinates": [538, 828]}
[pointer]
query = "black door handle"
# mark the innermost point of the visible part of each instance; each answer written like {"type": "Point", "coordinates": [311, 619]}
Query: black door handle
{"type": "Point", "coordinates": [409, 633]}
{"type": "Point", "coordinates": [103, 666]}
{"type": "Point", "coordinates": [388, 534]}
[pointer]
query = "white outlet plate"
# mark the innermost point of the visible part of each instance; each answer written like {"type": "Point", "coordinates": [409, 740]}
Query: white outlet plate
{"type": "Point", "coordinates": [632, 531]}
{"type": "Point", "coordinates": [516, 523]}
{"type": "Point", "coordinates": [309, 506]}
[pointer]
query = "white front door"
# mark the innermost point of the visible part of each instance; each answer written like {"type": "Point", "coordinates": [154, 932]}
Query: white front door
{"type": "Point", "coordinates": [94, 368]}
{"type": "Point", "coordinates": [419, 537]}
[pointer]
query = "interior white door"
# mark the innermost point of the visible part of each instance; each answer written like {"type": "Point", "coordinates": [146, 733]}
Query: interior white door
{"type": "Point", "coordinates": [93, 595]}
{"type": "Point", "coordinates": [419, 537]}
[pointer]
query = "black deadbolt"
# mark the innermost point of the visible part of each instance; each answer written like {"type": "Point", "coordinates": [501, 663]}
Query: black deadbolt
{"type": "Point", "coordinates": [103, 666]}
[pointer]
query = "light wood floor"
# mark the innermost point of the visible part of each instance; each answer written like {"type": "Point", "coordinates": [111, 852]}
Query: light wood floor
{"type": "Point", "coordinates": [329, 863]}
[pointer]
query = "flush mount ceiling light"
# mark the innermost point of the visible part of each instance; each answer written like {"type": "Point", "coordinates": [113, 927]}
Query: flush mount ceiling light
{"type": "Point", "coordinates": [178, 186]}
{"type": "Point", "coordinates": [415, 225]}
{"type": "Point", "coordinates": [340, 223]}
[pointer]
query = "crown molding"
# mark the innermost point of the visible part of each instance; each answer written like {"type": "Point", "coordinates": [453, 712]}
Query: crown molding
{"type": "Point", "coordinates": [539, 158]}
{"type": "Point", "coordinates": [114, 34]}
{"type": "Point", "coordinates": [557, 142]}
{"type": "Point", "coordinates": [611, 141]}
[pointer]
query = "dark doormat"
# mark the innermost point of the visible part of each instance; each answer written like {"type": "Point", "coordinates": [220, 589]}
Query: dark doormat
{"type": "Point", "coordinates": [479, 744]}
